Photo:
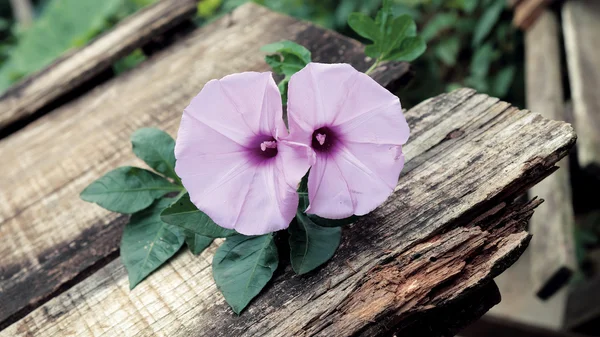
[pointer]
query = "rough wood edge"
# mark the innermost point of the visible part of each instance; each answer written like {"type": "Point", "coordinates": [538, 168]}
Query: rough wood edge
{"type": "Point", "coordinates": [76, 67]}
{"type": "Point", "coordinates": [552, 247]}
{"type": "Point", "coordinates": [436, 281]}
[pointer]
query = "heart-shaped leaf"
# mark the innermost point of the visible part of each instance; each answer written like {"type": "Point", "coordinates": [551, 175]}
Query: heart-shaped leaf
{"type": "Point", "coordinates": [185, 215]}
{"type": "Point", "coordinates": [242, 266]}
{"type": "Point", "coordinates": [148, 242]}
{"type": "Point", "coordinates": [311, 245]}
{"type": "Point", "coordinates": [157, 149]}
{"type": "Point", "coordinates": [127, 189]}
{"type": "Point", "coordinates": [196, 243]}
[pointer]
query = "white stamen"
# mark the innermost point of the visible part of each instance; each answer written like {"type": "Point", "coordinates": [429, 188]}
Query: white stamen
{"type": "Point", "coordinates": [321, 138]}
{"type": "Point", "coordinates": [268, 144]}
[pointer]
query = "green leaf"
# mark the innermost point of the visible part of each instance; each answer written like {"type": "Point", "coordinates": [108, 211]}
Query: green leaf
{"type": "Point", "coordinates": [157, 149]}
{"type": "Point", "coordinates": [482, 59]}
{"type": "Point", "coordinates": [148, 242]}
{"type": "Point", "coordinates": [129, 62]}
{"type": "Point", "coordinates": [289, 48]}
{"type": "Point", "coordinates": [502, 81]}
{"type": "Point", "coordinates": [438, 23]}
{"type": "Point", "coordinates": [242, 266]}
{"type": "Point", "coordinates": [311, 245]}
{"type": "Point", "coordinates": [401, 27]}
{"type": "Point", "coordinates": [394, 38]}
{"type": "Point", "coordinates": [196, 243]}
{"type": "Point", "coordinates": [447, 50]}
{"type": "Point", "coordinates": [364, 26]}
{"type": "Point", "coordinates": [62, 25]}
{"type": "Point", "coordinates": [184, 214]}
{"type": "Point", "coordinates": [410, 49]}
{"type": "Point", "coordinates": [127, 189]}
{"type": "Point", "coordinates": [288, 58]}
{"type": "Point", "coordinates": [488, 20]}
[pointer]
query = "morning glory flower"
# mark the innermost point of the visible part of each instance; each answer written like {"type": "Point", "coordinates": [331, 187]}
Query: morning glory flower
{"type": "Point", "coordinates": [232, 157]}
{"type": "Point", "coordinates": [356, 128]}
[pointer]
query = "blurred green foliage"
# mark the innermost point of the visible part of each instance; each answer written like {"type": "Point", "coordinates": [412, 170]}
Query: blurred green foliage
{"type": "Point", "coordinates": [62, 24]}
{"type": "Point", "coordinates": [470, 42]}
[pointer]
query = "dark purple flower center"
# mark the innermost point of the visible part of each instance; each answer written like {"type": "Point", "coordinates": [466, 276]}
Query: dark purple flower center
{"type": "Point", "coordinates": [264, 147]}
{"type": "Point", "coordinates": [324, 139]}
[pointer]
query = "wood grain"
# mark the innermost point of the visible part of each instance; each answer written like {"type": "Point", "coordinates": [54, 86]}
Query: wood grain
{"type": "Point", "coordinates": [581, 24]}
{"type": "Point", "coordinates": [49, 238]}
{"type": "Point", "coordinates": [469, 155]}
{"type": "Point", "coordinates": [77, 66]}
{"type": "Point", "coordinates": [552, 248]}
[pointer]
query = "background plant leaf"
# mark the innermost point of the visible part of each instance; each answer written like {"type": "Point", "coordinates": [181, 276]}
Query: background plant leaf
{"type": "Point", "coordinates": [127, 189]}
{"type": "Point", "coordinates": [364, 26]}
{"type": "Point", "coordinates": [242, 266]}
{"type": "Point", "coordinates": [148, 242]}
{"type": "Point", "coordinates": [62, 25]}
{"type": "Point", "coordinates": [185, 215]}
{"type": "Point", "coordinates": [157, 149]}
{"type": "Point", "coordinates": [409, 50]}
{"type": "Point", "coordinates": [487, 21]}
{"type": "Point", "coordinates": [394, 37]}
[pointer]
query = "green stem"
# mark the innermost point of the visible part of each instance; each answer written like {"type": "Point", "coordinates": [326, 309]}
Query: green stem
{"type": "Point", "coordinates": [184, 191]}
{"type": "Point", "coordinates": [370, 70]}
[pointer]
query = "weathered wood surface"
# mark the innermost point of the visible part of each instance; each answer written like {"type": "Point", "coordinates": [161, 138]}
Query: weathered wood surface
{"type": "Point", "coordinates": [528, 11]}
{"type": "Point", "coordinates": [581, 24]}
{"type": "Point", "coordinates": [48, 236]}
{"type": "Point", "coordinates": [78, 66]}
{"type": "Point", "coordinates": [552, 248]}
{"type": "Point", "coordinates": [448, 229]}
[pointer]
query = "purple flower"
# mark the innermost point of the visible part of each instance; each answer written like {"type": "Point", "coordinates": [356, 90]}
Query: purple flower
{"type": "Point", "coordinates": [233, 159]}
{"type": "Point", "coordinates": [356, 128]}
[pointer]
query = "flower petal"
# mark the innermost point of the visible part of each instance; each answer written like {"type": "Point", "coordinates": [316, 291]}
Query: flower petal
{"type": "Point", "coordinates": [316, 95]}
{"type": "Point", "coordinates": [294, 160]}
{"type": "Point", "coordinates": [328, 191]}
{"type": "Point", "coordinates": [239, 106]}
{"type": "Point", "coordinates": [354, 181]}
{"type": "Point", "coordinates": [270, 203]}
{"type": "Point", "coordinates": [360, 171]}
{"type": "Point", "coordinates": [217, 165]}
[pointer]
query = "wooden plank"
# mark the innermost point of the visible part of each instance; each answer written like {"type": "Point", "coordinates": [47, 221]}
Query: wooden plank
{"type": "Point", "coordinates": [50, 238]}
{"type": "Point", "coordinates": [552, 247]}
{"type": "Point", "coordinates": [494, 327]}
{"type": "Point", "coordinates": [447, 230]}
{"type": "Point", "coordinates": [402, 291]}
{"type": "Point", "coordinates": [78, 66]}
{"type": "Point", "coordinates": [581, 24]}
{"type": "Point", "coordinates": [527, 12]}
